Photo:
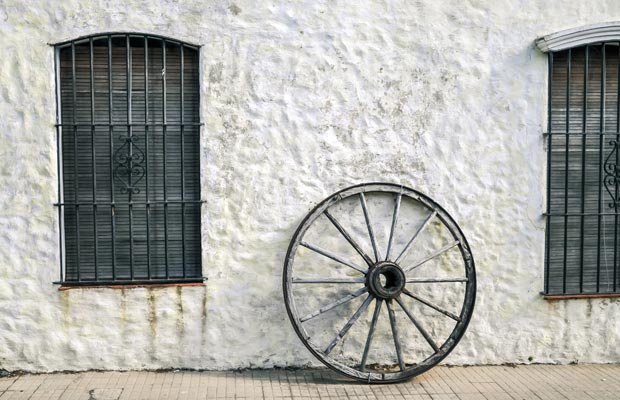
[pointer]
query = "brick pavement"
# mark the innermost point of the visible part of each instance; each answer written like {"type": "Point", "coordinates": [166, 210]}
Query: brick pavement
{"type": "Point", "coordinates": [539, 382]}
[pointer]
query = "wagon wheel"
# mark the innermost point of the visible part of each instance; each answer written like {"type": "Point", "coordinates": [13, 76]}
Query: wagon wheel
{"type": "Point", "coordinates": [379, 282]}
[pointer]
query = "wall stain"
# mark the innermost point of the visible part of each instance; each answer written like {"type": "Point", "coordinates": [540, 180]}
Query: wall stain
{"type": "Point", "coordinates": [235, 9]}
{"type": "Point", "coordinates": [152, 303]}
{"type": "Point", "coordinates": [123, 306]}
{"type": "Point", "coordinates": [65, 304]}
{"type": "Point", "coordinates": [589, 310]}
{"type": "Point", "coordinates": [215, 72]}
{"type": "Point", "coordinates": [152, 317]}
{"type": "Point", "coordinates": [180, 318]}
{"type": "Point", "coordinates": [204, 321]}
{"type": "Point", "coordinates": [204, 305]}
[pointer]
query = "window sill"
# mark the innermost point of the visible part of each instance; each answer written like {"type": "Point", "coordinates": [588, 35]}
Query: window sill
{"type": "Point", "coordinates": [150, 285]}
{"type": "Point", "coordinates": [580, 296]}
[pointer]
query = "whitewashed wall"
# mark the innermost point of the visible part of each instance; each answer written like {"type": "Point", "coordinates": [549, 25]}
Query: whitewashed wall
{"type": "Point", "coordinates": [299, 99]}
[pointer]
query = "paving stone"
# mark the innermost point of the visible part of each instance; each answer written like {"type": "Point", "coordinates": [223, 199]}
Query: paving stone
{"type": "Point", "coordinates": [538, 382]}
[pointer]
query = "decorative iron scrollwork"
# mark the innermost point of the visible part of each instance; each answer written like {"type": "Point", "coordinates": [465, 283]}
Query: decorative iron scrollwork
{"type": "Point", "coordinates": [612, 174]}
{"type": "Point", "coordinates": [129, 169]}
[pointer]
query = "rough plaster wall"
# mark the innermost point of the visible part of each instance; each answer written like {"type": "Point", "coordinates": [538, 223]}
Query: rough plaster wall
{"type": "Point", "coordinates": [299, 99]}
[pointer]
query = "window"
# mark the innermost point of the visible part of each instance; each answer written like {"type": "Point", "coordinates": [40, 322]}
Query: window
{"type": "Point", "coordinates": [128, 149]}
{"type": "Point", "coordinates": [583, 232]}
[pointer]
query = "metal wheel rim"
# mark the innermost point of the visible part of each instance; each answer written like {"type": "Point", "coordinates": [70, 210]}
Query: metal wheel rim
{"type": "Point", "coordinates": [468, 300]}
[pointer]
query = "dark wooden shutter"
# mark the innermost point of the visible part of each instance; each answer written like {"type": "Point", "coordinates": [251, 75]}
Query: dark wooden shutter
{"type": "Point", "coordinates": [582, 222]}
{"type": "Point", "coordinates": [145, 226]}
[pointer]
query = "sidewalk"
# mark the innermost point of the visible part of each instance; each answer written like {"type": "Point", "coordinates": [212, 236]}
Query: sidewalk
{"type": "Point", "coordinates": [540, 382]}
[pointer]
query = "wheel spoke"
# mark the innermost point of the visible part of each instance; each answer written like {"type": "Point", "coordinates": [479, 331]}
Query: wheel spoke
{"type": "Point", "coordinates": [431, 305]}
{"type": "Point", "coordinates": [346, 235]}
{"type": "Point", "coordinates": [433, 255]}
{"type": "Point", "coordinates": [371, 332]}
{"type": "Point", "coordinates": [415, 235]}
{"type": "Point", "coordinates": [329, 280]}
{"type": "Point", "coordinates": [399, 353]}
{"type": "Point", "coordinates": [371, 233]}
{"type": "Point", "coordinates": [436, 280]}
{"type": "Point", "coordinates": [418, 326]}
{"type": "Point", "coordinates": [394, 219]}
{"type": "Point", "coordinates": [348, 325]}
{"type": "Point", "coordinates": [332, 256]}
{"type": "Point", "coordinates": [335, 304]}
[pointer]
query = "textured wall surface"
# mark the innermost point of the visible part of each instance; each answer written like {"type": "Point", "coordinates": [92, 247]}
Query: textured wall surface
{"type": "Point", "coordinates": [298, 100]}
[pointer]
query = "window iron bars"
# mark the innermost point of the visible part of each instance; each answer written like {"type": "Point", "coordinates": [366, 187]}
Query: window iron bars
{"type": "Point", "coordinates": [612, 175]}
{"type": "Point", "coordinates": [106, 35]}
{"type": "Point", "coordinates": [581, 252]}
{"type": "Point", "coordinates": [129, 164]}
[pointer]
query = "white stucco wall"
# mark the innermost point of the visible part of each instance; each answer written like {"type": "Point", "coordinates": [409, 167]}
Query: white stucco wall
{"type": "Point", "coordinates": [299, 99]}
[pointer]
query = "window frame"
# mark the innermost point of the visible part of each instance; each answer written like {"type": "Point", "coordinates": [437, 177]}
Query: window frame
{"type": "Point", "coordinates": [194, 278]}
{"type": "Point", "coordinates": [568, 40]}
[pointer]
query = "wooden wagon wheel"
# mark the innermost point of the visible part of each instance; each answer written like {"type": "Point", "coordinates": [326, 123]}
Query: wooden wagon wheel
{"type": "Point", "coordinates": [392, 246]}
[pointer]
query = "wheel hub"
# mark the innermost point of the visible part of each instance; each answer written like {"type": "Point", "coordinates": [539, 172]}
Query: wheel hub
{"type": "Point", "coordinates": [385, 280]}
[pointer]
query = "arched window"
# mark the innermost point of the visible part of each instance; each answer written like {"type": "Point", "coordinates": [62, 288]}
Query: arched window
{"type": "Point", "coordinates": [128, 150]}
{"type": "Point", "coordinates": [583, 231]}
